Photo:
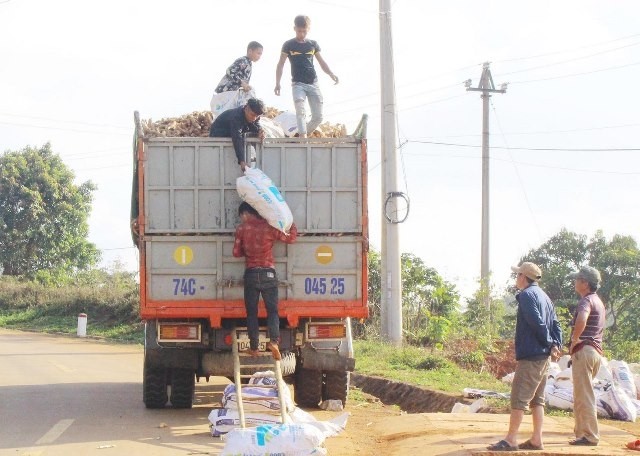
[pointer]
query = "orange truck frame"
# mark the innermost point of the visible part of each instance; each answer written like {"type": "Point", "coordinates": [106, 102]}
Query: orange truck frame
{"type": "Point", "coordinates": [184, 214]}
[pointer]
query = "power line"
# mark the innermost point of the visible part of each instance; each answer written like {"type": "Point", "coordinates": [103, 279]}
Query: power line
{"type": "Point", "coordinates": [568, 50]}
{"type": "Point", "coordinates": [66, 121]}
{"type": "Point", "coordinates": [568, 60]}
{"type": "Point", "coordinates": [536, 165]}
{"type": "Point", "coordinates": [517, 172]}
{"type": "Point", "coordinates": [541, 132]}
{"type": "Point", "coordinates": [577, 74]}
{"type": "Point", "coordinates": [538, 149]}
{"type": "Point", "coordinates": [75, 130]}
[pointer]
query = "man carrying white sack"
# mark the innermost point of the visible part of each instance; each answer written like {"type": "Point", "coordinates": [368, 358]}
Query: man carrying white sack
{"type": "Point", "coordinates": [254, 241]}
{"type": "Point", "coordinates": [586, 351]}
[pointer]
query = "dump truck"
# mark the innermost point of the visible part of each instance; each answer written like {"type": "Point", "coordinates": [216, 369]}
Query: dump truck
{"type": "Point", "coordinates": [184, 211]}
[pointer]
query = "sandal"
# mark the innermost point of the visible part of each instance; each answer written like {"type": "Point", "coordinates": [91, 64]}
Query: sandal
{"type": "Point", "coordinates": [502, 445]}
{"type": "Point", "coordinates": [527, 445]}
{"type": "Point", "coordinates": [635, 445]}
{"type": "Point", "coordinates": [582, 441]}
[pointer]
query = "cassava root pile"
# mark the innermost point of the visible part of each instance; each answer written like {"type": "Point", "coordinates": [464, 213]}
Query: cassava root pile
{"type": "Point", "coordinates": [197, 124]}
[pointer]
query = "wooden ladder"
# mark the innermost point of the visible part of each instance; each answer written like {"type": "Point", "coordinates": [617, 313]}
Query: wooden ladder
{"type": "Point", "coordinates": [238, 375]}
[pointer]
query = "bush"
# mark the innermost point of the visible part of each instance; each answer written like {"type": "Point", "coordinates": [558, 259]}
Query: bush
{"type": "Point", "coordinates": [432, 362]}
{"type": "Point", "coordinates": [471, 360]}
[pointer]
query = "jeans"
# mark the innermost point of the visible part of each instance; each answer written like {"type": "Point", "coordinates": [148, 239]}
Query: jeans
{"type": "Point", "coordinates": [302, 91]}
{"type": "Point", "coordinates": [261, 281]}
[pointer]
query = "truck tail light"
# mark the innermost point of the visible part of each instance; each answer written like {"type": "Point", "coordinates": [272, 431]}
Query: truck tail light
{"type": "Point", "coordinates": [179, 332]}
{"type": "Point", "coordinates": [320, 331]}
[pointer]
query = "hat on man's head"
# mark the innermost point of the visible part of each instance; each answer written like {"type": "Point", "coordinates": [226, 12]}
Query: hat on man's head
{"type": "Point", "coordinates": [256, 105]}
{"type": "Point", "coordinates": [591, 275]}
{"type": "Point", "coordinates": [529, 269]}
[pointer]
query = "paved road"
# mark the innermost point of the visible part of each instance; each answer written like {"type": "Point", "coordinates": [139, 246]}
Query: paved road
{"type": "Point", "coordinates": [67, 396]}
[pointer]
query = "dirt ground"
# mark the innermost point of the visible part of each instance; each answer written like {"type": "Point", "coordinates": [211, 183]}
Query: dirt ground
{"type": "Point", "coordinates": [381, 428]}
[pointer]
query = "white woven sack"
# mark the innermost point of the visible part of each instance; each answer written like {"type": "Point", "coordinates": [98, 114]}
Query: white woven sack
{"type": "Point", "coordinates": [623, 377]}
{"type": "Point", "coordinates": [257, 189]}
{"type": "Point", "coordinates": [224, 420]}
{"type": "Point", "coordinates": [223, 101]}
{"type": "Point", "coordinates": [617, 404]}
{"type": "Point", "coordinates": [284, 439]}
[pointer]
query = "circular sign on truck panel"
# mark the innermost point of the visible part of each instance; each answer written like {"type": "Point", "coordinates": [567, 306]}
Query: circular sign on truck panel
{"type": "Point", "coordinates": [183, 255]}
{"type": "Point", "coordinates": [324, 254]}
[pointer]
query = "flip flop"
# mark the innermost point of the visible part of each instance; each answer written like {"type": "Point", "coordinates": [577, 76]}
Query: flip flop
{"type": "Point", "coordinates": [582, 441]}
{"type": "Point", "coordinates": [635, 445]}
{"type": "Point", "coordinates": [527, 445]}
{"type": "Point", "coordinates": [502, 445]}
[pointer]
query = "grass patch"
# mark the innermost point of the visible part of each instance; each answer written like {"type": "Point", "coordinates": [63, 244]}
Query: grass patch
{"type": "Point", "coordinates": [102, 327]}
{"type": "Point", "coordinates": [418, 366]}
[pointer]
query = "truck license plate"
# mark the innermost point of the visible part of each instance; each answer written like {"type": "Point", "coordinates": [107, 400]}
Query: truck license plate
{"type": "Point", "coordinates": [243, 341]}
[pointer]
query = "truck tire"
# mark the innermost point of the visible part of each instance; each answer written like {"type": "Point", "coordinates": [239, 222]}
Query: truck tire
{"type": "Point", "coordinates": [307, 389]}
{"type": "Point", "coordinates": [154, 387]}
{"type": "Point", "coordinates": [336, 386]}
{"type": "Point", "coordinates": [183, 383]}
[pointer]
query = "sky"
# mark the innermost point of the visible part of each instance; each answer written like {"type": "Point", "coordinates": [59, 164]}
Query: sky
{"type": "Point", "coordinates": [565, 148]}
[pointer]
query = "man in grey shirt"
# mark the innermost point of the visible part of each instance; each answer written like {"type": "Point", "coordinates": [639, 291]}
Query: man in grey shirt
{"type": "Point", "coordinates": [586, 351]}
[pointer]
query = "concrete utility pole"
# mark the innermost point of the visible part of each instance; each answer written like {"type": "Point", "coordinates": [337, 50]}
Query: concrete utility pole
{"type": "Point", "coordinates": [391, 285]}
{"type": "Point", "coordinates": [487, 87]}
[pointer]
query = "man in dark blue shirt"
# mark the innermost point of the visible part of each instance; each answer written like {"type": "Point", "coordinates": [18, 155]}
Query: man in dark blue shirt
{"type": "Point", "coordinates": [235, 123]}
{"type": "Point", "coordinates": [538, 337]}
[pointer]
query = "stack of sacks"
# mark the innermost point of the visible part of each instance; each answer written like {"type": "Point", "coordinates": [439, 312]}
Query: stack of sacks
{"type": "Point", "coordinates": [261, 405]}
{"type": "Point", "coordinates": [614, 387]}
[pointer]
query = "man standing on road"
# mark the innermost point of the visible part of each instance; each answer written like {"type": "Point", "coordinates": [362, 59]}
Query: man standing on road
{"type": "Point", "coordinates": [538, 337]}
{"type": "Point", "coordinates": [586, 350]}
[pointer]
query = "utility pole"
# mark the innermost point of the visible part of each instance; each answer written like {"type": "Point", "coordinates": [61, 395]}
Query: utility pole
{"type": "Point", "coordinates": [391, 285]}
{"type": "Point", "coordinates": [487, 87]}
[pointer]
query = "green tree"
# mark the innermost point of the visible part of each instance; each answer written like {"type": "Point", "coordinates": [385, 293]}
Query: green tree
{"type": "Point", "coordinates": [425, 295]}
{"type": "Point", "coordinates": [43, 215]}
{"type": "Point", "coordinates": [618, 260]}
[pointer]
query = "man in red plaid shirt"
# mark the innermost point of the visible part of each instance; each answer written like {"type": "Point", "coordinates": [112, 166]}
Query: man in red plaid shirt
{"type": "Point", "coordinates": [254, 240]}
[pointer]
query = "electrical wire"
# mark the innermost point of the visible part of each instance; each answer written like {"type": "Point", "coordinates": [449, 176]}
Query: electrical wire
{"type": "Point", "coordinates": [568, 50]}
{"type": "Point", "coordinates": [535, 165]}
{"type": "Point", "coordinates": [577, 74]}
{"type": "Point", "coordinates": [541, 132]}
{"type": "Point", "coordinates": [500, 75]}
{"type": "Point", "coordinates": [538, 149]}
{"type": "Point", "coordinates": [517, 172]}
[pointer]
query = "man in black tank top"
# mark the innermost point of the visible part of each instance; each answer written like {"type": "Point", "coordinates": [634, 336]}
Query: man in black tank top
{"type": "Point", "coordinates": [304, 81]}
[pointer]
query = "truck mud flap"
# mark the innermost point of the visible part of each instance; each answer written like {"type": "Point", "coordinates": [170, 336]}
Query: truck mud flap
{"type": "Point", "coordinates": [172, 357]}
{"type": "Point", "coordinates": [325, 360]}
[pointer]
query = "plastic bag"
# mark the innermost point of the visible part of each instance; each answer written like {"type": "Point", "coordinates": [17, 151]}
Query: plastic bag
{"type": "Point", "coordinates": [287, 120]}
{"type": "Point", "coordinates": [271, 129]}
{"type": "Point", "coordinates": [221, 102]}
{"type": "Point", "coordinates": [257, 189]}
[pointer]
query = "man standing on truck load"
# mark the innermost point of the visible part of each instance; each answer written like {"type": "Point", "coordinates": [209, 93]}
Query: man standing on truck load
{"type": "Point", "coordinates": [300, 52]}
{"type": "Point", "coordinates": [235, 123]}
{"type": "Point", "coordinates": [254, 240]}
{"type": "Point", "coordinates": [538, 337]}
{"type": "Point", "coordinates": [239, 73]}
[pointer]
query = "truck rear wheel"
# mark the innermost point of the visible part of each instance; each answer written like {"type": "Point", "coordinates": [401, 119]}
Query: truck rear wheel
{"type": "Point", "coordinates": [307, 389]}
{"type": "Point", "coordinates": [154, 387]}
{"type": "Point", "coordinates": [336, 386]}
{"type": "Point", "coordinates": [183, 383]}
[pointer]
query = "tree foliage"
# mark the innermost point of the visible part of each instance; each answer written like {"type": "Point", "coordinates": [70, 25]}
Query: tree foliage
{"type": "Point", "coordinates": [618, 261]}
{"type": "Point", "coordinates": [43, 215]}
{"type": "Point", "coordinates": [425, 296]}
